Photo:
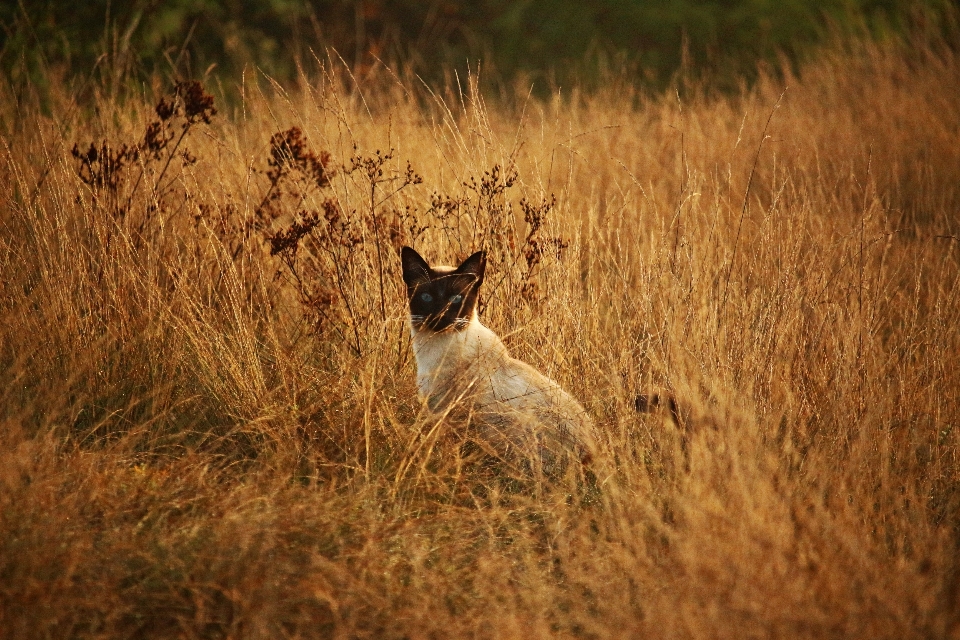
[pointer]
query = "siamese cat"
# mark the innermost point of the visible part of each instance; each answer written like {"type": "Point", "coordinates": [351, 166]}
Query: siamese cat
{"type": "Point", "coordinates": [464, 368]}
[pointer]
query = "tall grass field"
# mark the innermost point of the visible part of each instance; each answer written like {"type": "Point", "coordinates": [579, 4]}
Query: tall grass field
{"type": "Point", "coordinates": [209, 422]}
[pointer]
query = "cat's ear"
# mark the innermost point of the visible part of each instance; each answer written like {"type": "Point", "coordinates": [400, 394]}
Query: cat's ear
{"type": "Point", "coordinates": [474, 265]}
{"type": "Point", "coordinates": [415, 268]}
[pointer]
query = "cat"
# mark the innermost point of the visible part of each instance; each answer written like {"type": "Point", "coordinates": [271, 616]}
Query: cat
{"type": "Point", "coordinates": [463, 367]}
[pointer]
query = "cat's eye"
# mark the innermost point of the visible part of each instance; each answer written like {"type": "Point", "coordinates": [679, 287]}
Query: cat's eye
{"type": "Point", "coordinates": [456, 299]}
{"type": "Point", "coordinates": [426, 297]}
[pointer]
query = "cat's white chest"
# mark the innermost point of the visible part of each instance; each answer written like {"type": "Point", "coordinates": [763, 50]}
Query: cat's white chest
{"type": "Point", "coordinates": [434, 353]}
{"type": "Point", "coordinates": [447, 356]}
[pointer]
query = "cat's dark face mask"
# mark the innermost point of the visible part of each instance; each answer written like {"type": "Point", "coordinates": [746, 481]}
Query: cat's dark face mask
{"type": "Point", "coordinates": [442, 298]}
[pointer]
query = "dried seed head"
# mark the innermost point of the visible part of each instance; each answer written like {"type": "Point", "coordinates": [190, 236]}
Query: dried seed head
{"type": "Point", "coordinates": [197, 103]}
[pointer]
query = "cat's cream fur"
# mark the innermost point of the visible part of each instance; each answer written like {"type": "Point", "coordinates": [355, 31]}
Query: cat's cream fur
{"type": "Point", "coordinates": [518, 410]}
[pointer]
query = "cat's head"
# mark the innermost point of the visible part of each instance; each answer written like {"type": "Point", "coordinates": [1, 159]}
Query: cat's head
{"type": "Point", "coordinates": [442, 298]}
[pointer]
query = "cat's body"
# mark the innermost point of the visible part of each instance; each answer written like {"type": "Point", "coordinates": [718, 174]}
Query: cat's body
{"type": "Point", "coordinates": [464, 369]}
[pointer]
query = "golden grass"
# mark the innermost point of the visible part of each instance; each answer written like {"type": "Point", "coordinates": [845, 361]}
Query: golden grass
{"type": "Point", "coordinates": [195, 444]}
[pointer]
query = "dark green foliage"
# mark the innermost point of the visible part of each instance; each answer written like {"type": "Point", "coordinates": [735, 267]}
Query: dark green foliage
{"type": "Point", "coordinates": [548, 40]}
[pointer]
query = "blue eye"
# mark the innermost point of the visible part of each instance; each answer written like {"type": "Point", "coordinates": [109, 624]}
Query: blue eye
{"type": "Point", "coordinates": [456, 299]}
{"type": "Point", "coordinates": [426, 297]}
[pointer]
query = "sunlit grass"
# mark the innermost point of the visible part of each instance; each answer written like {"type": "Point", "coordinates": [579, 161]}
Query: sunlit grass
{"type": "Point", "coordinates": [209, 416]}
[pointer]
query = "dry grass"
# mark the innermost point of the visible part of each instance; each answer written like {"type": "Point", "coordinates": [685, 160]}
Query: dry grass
{"type": "Point", "coordinates": [200, 439]}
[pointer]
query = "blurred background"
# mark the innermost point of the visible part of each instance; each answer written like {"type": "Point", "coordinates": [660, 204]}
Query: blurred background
{"type": "Point", "coordinates": [546, 42]}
